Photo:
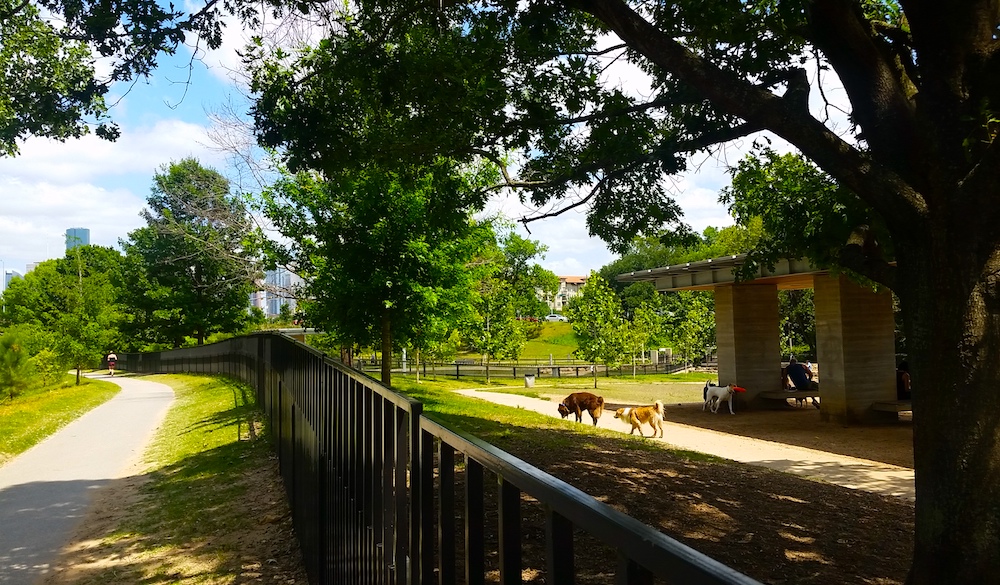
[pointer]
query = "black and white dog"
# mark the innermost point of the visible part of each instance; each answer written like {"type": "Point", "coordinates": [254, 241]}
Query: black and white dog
{"type": "Point", "coordinates": [714, 395]}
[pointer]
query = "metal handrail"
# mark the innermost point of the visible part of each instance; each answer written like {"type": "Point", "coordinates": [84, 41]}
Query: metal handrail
{"type": "Point", "coordinates": [359, 460]}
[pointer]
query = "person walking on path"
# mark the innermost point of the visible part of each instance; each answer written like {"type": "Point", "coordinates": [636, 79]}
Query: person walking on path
{"type": "Point", "coordinates": [112, 360]}
{"type": "Point", "coordinates": [44, 492]}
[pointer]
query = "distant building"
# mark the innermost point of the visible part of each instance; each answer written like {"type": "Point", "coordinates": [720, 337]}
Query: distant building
{"type": "Point", "coordinates": [77, 237]}
{"type": "Point", "coordinates": [31, 266]}
{"type": "Point", "coordinates": [277, 290]}
{"type": "Point", "coordinates": [569, 287]}
{"type": "Point", "coordinates": [8, 275]}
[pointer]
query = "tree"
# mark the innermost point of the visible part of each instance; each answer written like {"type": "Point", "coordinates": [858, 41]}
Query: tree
{"type": "Point", "coordinates": [191, 270]}
{"type": "Point", "coordinates": [494, 330]}
{"type": "Point", "coordinates": [601, 330]}
{"type": "Point", "coordinates": [15, 366]}
{"type": "Point", "coordinates": [690, 317]}
{"type": "Point", "coordinates": [49, 85]}
{"type": "Point", "coordinates": [384, 254]}
{"type": "Point", "coordinates": [645, 326]}
{"type": "Point", "coordinates": [527, 279]}
{"type": "Point", "coordinates": [920, 151]}
{"type": "Point", "coordinates": [76, 299]}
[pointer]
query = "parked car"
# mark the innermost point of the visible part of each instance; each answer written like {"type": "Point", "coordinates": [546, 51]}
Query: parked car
{"type": "Point", "coordinates": [555, 317]}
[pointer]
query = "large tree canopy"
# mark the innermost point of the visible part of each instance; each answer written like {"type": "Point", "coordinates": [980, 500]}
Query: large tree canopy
{"type": "Point", "coordinates": [385, 254]}
{"type": "Point", "coordinates": [49, 83]}
{"type": "Point", "coordinates": [403, 80]}
{"type": "Point", "coordinates": [191, 270]}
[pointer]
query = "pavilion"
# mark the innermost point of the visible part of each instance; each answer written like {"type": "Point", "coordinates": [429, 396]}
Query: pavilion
{"type": "Point", "coordinates": [854, 334]}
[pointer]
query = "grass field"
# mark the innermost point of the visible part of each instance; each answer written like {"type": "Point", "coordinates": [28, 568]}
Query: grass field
{"type": "Point", "coordinates": [492, 423]}
{"type": "Point", "coordinates": [670, 388]}
{"type": "Point", "coordinates": [501, 425]}
{"type": "Point", "coordinates": [556, 339]}
{"type": "Point", "coordinates": [36, 414]}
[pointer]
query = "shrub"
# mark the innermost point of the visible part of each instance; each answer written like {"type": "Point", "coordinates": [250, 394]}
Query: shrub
{"type": "Point", "coordinates": [16, 371]}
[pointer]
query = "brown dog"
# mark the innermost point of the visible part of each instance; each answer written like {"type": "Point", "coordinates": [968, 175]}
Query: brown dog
{"type": "Point", "coordinates": [581, 401]}
{"type": "Point", "coordinates": [640, 415]}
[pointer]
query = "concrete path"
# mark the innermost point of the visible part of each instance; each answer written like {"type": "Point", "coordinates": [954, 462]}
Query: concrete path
{"type": "Point", "coordinates": [862, 474]}
{"type": "Point", "coordinates": [45, 491]}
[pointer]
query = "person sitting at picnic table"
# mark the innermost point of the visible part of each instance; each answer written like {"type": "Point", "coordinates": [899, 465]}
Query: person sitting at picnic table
{"type": "Point", "coordinates": [800, 375]}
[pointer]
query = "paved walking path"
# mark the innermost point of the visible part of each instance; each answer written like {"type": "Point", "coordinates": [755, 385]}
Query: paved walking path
{"type": "Point", "coordinates": [862, 474]}
{"type": "Point", "coordinates": [45, 491]}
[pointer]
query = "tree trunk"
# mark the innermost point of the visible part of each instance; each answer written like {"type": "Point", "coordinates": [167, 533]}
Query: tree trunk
{"type": "Point", "coordinates": [951, 312]}
{"type": "Point", "coordinates": [416, 363]}
{"type": "Point", "coordinates": [593, 368]}
{"type": "Point", "coordinates": [201, 337]}
{"type": "Point", "coordinates": [487, 362]}
{"type": "Point", "coordinates": [386, 350]}
{"type": "Point", "coordinates": [77, 380]}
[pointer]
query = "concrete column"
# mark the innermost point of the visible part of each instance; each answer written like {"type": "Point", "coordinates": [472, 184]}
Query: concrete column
{"type": "Point", "coordinates": [746, 330]}
{"type": "Point", "coordinates": [855, 350]}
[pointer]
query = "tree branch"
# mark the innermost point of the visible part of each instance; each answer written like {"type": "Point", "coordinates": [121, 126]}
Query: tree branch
{"type": "Point", "coordinates": [526, 220]}
{"type": "Point", "coordinates": [863, 255]}
{"type": "Point", "coordinates": [881, 187]}
{"type": "Point", "coordinates": [7, 15]}
{"type": "Point", "coordinates": [864, 64]}
{"type": "Point", "coordinates": [611, 49]}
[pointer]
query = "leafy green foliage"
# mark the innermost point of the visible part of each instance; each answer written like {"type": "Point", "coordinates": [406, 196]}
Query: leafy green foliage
{"type": "Point", "coordinates": [690, 326]}
{"type": "Point", "coordinates": [403, 83]}
{"type": "Point", "coordinates": [646, 325]}
{"type": "Point", "coordinates": [384, 253]}
{"type": "Point", "coordinates": [16, 368]}
{"type": "Point", "coordinates": [190, 271]}
{"type": "Point", "coordinates": [49, 85]}
{"type": "Point", "coordinates": [803, 212]}
{"type": "Point", "coordinates": [526, 278]}
{"type": "Point", "coordinates": [69, 306]}
{"type": "Point", "coordinates": [599, 324]}
{"type": "Point", "coordinates": [494, 330]}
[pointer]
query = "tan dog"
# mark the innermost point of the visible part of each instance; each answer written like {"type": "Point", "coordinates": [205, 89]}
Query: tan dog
{"type": "Point", "coordinates": [640, 415]}
{"type": "Point", "coordinates": [578, 402]}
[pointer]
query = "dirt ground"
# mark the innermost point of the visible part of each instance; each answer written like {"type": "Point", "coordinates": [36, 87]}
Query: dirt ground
{"type": "Point", "coordinates": [777, 528]}
{"type": "Point", "coordinates": [888, 442]}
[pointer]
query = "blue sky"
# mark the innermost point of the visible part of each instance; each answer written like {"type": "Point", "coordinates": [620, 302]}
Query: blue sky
{"type": "Point", "coordinates": [100, 185]}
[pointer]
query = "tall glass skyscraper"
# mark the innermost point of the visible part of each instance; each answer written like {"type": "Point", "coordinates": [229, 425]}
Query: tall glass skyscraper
{"type": "Point", "coordinates": [77, 237]}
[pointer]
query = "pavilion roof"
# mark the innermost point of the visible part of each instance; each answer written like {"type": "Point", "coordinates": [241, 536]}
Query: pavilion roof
{"type": "Point", "coordinates": [788, 274]}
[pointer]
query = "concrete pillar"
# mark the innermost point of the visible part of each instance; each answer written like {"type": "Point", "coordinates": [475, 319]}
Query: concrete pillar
{"type": "Point", "coordinates": [746, 330]}
{"type": "Point", "coordinates": [855, 347]}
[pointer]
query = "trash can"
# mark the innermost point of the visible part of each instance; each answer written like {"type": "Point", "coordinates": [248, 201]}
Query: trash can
{"type": "Point", "coordinates": [529, 380]}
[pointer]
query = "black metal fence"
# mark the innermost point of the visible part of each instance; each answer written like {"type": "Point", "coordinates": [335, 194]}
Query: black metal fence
{"type": "Point", "coordinates": [471, 368]}
{"type": "Point", "coordinates": [374, 489]}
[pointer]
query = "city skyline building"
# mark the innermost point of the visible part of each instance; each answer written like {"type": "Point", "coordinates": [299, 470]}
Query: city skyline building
{"type": "Point", "coordinates": [278, 290]}
{"type": "Point", "coordinates": [8, 275]}
{"type": "Point", "coordinates": [77, 236]}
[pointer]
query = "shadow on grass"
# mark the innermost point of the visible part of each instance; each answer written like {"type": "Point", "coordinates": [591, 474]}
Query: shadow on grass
{"type": "Point", "coordinates": [219, 515]}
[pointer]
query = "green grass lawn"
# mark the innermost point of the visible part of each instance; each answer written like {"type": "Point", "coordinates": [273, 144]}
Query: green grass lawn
{"type": "Point", "coordinates": [670, 388]}
{"type": "Point", "coordinates": [29, 418]}
{"type": "Point", "coordinates": [494, 423]}
{"type": "Point", "coordinates": [556, 339]}
{"type": "Point", "coordinates": [501, 425]}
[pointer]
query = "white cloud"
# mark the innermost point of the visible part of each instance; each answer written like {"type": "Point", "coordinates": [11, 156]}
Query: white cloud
{"type": "Point", "coordinates": [88, 183]}
{"type": "Point", "coordinates": [139, 150]}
